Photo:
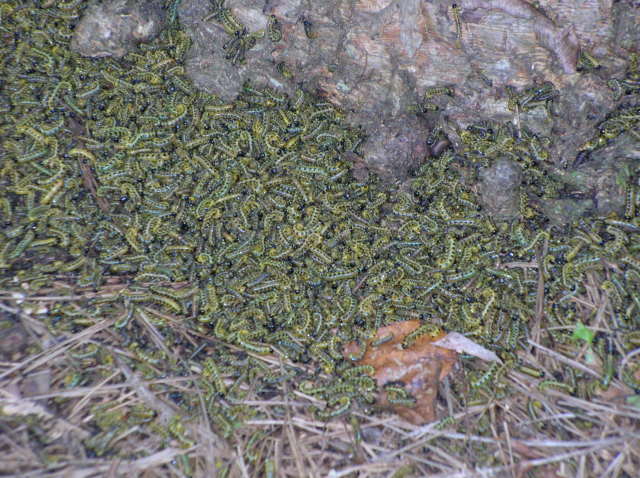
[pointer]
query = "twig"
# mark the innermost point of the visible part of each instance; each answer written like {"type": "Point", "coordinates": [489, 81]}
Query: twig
{"type": "Point", "coordinates": [35, 361]}
{"type": "Point", "coordinates": [106, 389]}
{"type": "Point", "coordinates": [240, 462]}
{"type": "Point", "coordinates": [289, 428]}
{"type": "Point", "coordinates": [89, 181]}
{"type": "Point", "coordinates": [564, 359]}
{"type": "Point", "coordinates": [524, 265]}
{"type": "Point", "coordinates": [164, 410]}
{"type": "Point", "coordinates": [91, 393]}
{"type": "Point", "coordinates": [509, 444]}
{"type": "Point", "coordinates": [156, 336]}
{"type": "Point", "coordinates": [535, 330]}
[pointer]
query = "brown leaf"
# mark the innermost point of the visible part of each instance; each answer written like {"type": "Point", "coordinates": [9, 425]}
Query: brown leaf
{"type": "Point", "coordinates": [419, 367]}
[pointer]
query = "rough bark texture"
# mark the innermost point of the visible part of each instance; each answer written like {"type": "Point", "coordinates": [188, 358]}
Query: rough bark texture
{"type": "Point", "coordinates": [375, 58]}
{"type": "Point", "coordinates": [499, 188]}
{"type": "Point", "coordinates": [113, 28]}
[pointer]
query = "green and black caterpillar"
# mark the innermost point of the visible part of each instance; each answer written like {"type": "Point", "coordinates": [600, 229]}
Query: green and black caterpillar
{"type": "Point", "coordinates": [241, 220]}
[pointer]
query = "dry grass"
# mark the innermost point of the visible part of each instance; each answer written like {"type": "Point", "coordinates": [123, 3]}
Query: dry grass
{"type": "Point", "coordinates": [48, 422]}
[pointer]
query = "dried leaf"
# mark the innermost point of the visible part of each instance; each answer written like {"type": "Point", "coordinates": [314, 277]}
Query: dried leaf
{"type": "Point", "coordinates": [463, 345]}
{"type": "Point", "coordinates": [420, 367]}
